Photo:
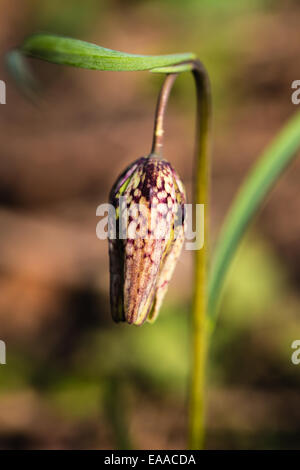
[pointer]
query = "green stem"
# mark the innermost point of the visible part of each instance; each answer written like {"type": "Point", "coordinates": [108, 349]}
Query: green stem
{"type": "Point", "coordinates": [201, 190]}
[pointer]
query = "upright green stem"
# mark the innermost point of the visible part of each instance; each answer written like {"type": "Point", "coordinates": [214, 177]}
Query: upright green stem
{"type": "Point", "coordinates": [201, 196]}
{"type": "Point", "coordinates": [201, 190]}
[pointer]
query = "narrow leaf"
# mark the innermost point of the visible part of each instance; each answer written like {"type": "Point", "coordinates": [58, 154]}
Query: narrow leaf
{"type": "Point", "coordinates": [67, 51]}
{"type": "Point", "coordinates": [249, 199]}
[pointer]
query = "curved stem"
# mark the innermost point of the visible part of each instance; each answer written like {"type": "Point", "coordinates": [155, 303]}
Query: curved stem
{"type": "Point", "coordinates": [201, 190]}
{"type": "Point", "coordinates": [158, 132]}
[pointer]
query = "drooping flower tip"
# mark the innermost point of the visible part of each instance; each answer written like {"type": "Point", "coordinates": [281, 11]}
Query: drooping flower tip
{"type": "Point", "coordinates": [149, 199]}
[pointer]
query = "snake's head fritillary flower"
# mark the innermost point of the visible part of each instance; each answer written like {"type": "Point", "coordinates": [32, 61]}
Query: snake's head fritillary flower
{"type": "Point", "coordinates": [149, 200]}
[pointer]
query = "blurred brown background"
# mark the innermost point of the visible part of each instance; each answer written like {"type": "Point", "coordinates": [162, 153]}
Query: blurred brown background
{"type": "Point", "coordinates": [73, 379]}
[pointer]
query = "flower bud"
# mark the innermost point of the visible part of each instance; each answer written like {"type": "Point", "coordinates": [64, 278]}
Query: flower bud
{"type": "Point", "coordinates": [149, 200]}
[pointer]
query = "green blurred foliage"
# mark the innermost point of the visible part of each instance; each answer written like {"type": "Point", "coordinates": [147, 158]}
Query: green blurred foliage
{"type": "Point", "coordinates": [18, 374]}
{"type": "Point", "coordinates": [75, 397]}
{"type": "Point", "coordinates": [257, 316]}
{"type": "Point", "coordinates": [68, 17]}
{"type": "Point", "coordinates": [216, 31]}
{"type": "Point", "coordinates": [154, 356]}
{"type": "Point", "coordinates": [256, 283]}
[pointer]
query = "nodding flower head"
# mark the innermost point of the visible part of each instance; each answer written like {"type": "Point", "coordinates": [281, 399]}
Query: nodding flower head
{"type": "Point", "coordinates": [149, 201]}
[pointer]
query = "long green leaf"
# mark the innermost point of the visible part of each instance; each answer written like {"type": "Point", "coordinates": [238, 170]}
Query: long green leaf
{"type": "Point", "coordinates": [249, 199]}
{"type": "Point", "coordinates": [67, 51]}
